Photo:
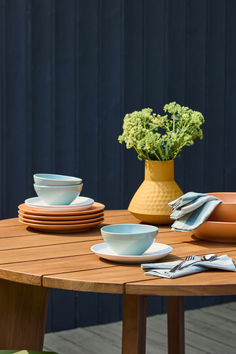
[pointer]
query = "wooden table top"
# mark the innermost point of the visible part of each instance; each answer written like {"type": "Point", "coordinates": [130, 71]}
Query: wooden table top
{"type": "Point", "coordinates": [64, 261]}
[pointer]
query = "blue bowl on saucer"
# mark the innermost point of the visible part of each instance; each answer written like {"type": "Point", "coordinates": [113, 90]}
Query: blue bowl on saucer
{"type": "Point", "coordinates": [58, 195]}
{"type": "Point", "coordinates": [129, 239]}
{"type": "Point", "coordinates": [49, 179]}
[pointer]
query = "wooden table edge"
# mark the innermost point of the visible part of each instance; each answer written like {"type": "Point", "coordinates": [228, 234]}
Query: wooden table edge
{"type": "Point", "coordinates": [180, 290]}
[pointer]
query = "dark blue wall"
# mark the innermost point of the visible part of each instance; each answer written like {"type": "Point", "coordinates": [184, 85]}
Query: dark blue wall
{"type": "Point", "coordinates": [71, 69]}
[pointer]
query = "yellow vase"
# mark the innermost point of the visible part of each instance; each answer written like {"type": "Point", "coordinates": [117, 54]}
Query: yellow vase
{"type": "Point", "coordinates": [150, 203]}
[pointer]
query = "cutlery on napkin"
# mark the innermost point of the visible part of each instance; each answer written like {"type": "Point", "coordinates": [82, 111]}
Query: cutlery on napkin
{"type": "Point", "coordinates": [191, 210]}
{"type": "Point", "coordinates": [190, 260]}
{"type": "Point", "coordinates": [223, 262]}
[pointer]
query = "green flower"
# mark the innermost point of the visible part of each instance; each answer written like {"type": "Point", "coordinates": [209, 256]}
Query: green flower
{"type": "Point", "coordinates": [156, 137]}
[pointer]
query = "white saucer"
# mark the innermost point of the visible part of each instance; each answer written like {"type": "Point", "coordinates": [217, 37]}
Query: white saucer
{"type": "Point", "coordinates": [82, 202]}
{"type": "Point", "coordinates": [155, 251]}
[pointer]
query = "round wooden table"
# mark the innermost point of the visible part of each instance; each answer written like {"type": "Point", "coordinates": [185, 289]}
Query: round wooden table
{"type": "Point", "coordinates": [31, 263]}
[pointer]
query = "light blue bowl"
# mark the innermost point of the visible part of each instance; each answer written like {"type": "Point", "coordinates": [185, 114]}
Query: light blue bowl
{"type": "Point", "coordinates": [48, 179]}
{"type": "Point", "coordinates": [58, 195]}
{"type": "Point", "coordinates": [129, 239]}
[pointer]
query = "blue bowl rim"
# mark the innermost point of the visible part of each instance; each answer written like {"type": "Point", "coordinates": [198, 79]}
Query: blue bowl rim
{"type": "Point", "coordinates": [58, 186]}
{"type": "Point", "coordinates": [65, 177]}
{"type": "Point", "coordinates": [150, 227]}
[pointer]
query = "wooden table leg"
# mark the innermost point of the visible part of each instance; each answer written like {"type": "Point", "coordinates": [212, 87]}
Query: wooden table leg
{"type": "Point", "coordinates": [23, 311]}
{"type": "Point", "coordinates": [134, 325]}
{"type": "Point", "coordinates": [175, 319]}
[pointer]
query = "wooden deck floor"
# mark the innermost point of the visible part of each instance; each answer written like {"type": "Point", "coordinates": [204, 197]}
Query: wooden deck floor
{"type": "Point", "coordinates": [207, 330]}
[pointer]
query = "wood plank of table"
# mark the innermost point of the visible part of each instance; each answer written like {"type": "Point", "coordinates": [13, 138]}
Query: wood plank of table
{"type": "Point", "coordinates": [32, 272]}
{"type": "Point", "coordinates": [39, 240]}
{"type": "Point", "coordinates": [200, 284]}
{"type": "Point", "coordinates": [190, 285]}
{"type": "Point", "coordinates": [13, 231]}
{"type": "Point", "coordinates": [113, 279]}
{"type": "Point", "coordinates": [46, 252]}
{"type": "Point", "coordinates": [29, 264]}
{"type": "Point", "coordinates": [119, 217]}
{"type": "Point", "coordinates": [33, 239]}
{"type": "Point", "coordinates": [10, 222]}
{"type": "Point", "coordinates": [194, 284]}
{"type": "Point", "coordinates": [36, 239]}
{"type": "Point", "coordinates": [13, 228]}
{"type": "Point", "coordinates": [173, 237]}
{"type": "Point", "coordinates": [21, 230]}
{"type": "Point", "coordinates": [107, 280]}
{"type": "Point", "coordinates": [134, 281]}
{"type": "Point", "coordinates": [125, 217]}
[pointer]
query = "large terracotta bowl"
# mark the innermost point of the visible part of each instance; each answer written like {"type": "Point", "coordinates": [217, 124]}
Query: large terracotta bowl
{"type": "Point", "coordinates": [217, 231]}
{"type": "Point", "coordinates": [225, 211]}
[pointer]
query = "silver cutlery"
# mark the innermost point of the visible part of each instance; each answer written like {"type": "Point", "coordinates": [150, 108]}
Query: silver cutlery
{"type": "Point", "coordinates": [208, 257]}
{"type": "Point", "coordinates": [180, 266]}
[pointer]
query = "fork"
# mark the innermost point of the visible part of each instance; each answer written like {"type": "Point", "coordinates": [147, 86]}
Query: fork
{"type": "Point", "coordinates": [178, 266]}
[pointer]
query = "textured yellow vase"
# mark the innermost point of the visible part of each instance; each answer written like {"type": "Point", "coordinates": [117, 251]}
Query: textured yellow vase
{"type": "Point", "coordinates": [150, 203]}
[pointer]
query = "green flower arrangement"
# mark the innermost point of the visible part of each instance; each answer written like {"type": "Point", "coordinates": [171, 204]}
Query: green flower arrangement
{"type": "Point", "coordinates": [161, 138]}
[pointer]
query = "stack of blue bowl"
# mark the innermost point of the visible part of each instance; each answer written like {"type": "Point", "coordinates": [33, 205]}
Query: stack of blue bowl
{"type": "Point", "coordinates": [56, 189]}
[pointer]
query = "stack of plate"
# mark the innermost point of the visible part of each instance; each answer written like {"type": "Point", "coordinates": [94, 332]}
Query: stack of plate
{"type": "Point", "coordinates": [82, 214]}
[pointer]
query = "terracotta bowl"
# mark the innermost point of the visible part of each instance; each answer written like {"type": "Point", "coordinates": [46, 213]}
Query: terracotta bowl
{"type": "Point", "coordinates": [217, 231]}
{"type": "Point", "coordinates": [225, 211]}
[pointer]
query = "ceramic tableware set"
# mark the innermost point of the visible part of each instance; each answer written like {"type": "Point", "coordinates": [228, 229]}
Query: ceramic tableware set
{"type": "Point", "coordinates": [59, 206]}
{"type": "Point", "coordinates": [130, 243]}
{"type": "Point", "coordinates": [221, 225]}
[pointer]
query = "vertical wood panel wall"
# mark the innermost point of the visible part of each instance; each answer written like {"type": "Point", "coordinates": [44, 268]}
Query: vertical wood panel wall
{"type": "Point", "coordinates": [71, 69]}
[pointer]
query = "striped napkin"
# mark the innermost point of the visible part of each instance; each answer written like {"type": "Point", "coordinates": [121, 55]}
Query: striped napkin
{"type": "Point", "coordinates": [191, 210]}
{"type": "Point", "coordinates": [163, 269]}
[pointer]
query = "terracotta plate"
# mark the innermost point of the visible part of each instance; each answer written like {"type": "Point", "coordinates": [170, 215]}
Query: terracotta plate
{"type": "Point", "coordinates": [60, 218]}
{"type": "Point", "coordinates": [217, 231]}
{"type": "Point", "coordinates": [95, 208]}
{"type": "Point", "coordinates": [61, 228]}
{"type": "Point", "coordinates": [67, 222]}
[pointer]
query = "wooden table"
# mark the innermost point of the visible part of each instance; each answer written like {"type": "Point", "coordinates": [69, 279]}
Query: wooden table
{"type": "Point", "coordinates": [32, 262]}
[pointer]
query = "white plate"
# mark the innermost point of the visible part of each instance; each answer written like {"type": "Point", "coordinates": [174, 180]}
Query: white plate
{"type": "Point", "coordinates": [82, 202]}
{"type": "Point", "coordinates": [155, 251]}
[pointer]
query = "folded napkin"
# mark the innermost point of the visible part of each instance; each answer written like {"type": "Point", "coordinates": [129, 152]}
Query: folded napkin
{"type": "Point", "coordinates": [163, 269]}
{"type": "Point", "coordinates": [191, 210]}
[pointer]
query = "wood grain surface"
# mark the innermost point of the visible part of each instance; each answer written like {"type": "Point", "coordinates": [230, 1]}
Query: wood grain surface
{"type": "Point", "coordinates": [134, 324]}
{"type": "Point", "coordinates": [175, 327]}
{"type": "Point", "coordinates": [23, 311]}
{"type": "Point", "coordinates": [31, 262]}
{"type": "Point", "coordinates": [65, 261]}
